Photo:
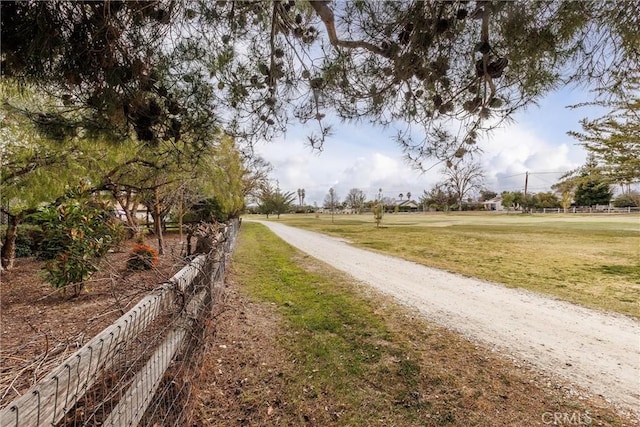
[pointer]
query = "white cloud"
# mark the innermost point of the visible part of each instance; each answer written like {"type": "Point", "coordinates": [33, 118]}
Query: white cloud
{"type": "Point", "coordinates": [366, 157]}
{"type": "Point", "coordinates": [511, 152]}
{"type": "Point", "coordinates": [344, 165]}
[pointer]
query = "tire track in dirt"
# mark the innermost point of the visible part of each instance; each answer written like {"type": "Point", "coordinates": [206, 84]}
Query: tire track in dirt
{"type": "Point", "coordinates": [597, 351]}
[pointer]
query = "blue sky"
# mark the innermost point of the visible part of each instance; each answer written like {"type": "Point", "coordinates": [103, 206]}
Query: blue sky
{"type": "Point", "coordinates": [366, 157]}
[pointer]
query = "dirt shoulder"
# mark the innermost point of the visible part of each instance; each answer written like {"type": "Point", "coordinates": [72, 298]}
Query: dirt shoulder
{"type": "Point", "coordinates": [595, 351]}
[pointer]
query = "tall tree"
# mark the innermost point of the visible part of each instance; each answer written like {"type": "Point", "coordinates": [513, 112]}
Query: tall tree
{"type": "Point", "coordinates": [164, 68]}
{"type": "Point", "coordinates": [487, 195]}
{"type": "Point", "coordinates": [301, 195]}
{"type": "Point", "coordinates": [566, 198]}
{"type": "Point", "coordinates": [545, 200]}
{"type": "Point", "coordinates": [152, 177]}
{"type": "Point", "coordinates": [355, 199]}
{"type": "Point", "coordinates": [464, 178]}
{"type": "Point", "coordinates": [227, 172]}
{"type": "Point", "coordinates": [613, 140]}
{"type": "Point", "coordinates": [34, 169]}
{"type": "Point", "coordinates": [265, 200]}
{"type": "Point", "coordinates": [440, 197]}
{"type": "Point", "coordinates": [593, 191]}
{"type": "Point", "coordinates": [516, 200]}
{"type": "Point", "coordinates": [256, 176]}
{"type": "Point", "coordinates": [584, 182]}
{"type": "Point", "coordinates": [282, 201]}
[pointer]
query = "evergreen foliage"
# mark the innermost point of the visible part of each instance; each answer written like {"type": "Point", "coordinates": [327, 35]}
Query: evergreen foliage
{"type": "Point", "coordinates": [84, 230]}
{"type": "Point", "coordinates": [271, 200]}
{"type": "Point", "coordinates": [169, 70]}
{"type": "Point", "coordinates": [592, 192]}
{"type": "Point", "coordinates": [631, 199]}
{"type": "Point", "coordinates": [613, 140]}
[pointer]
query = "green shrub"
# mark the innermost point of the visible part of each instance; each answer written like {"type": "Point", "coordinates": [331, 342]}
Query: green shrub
{"type": "Point", "coordinates": [627, 200]}
{"type": "Point", "coordinates": [24, 244]}
{"type": "Point", "coordinates": [207, 210]}
{"type": "Point", "coordinates": [142, 257]}
{"type": "Point", "coordinates": [51, 245]}
{"type": "Point", "coordinates": [76, 234]}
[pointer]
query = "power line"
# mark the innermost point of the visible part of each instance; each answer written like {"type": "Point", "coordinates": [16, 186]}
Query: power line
{"type": "Point", "coordinates": [543, 173]}
{"type": "Point", "coordinates": [536, 173]}
{"type": "Point", "coordinates": [511, 176]}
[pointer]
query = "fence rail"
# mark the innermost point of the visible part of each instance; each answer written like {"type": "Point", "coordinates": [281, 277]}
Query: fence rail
{"type": "Point", "coordinates": [591, 210]}
{"type": "Point", "coordinates": [114, 379]}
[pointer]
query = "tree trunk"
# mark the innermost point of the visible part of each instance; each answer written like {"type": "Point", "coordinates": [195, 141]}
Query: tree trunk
{"type": "Point", "coordinates": [8, 252]}
{"type": "Point", "coordinates": [130, 207]}
{"type": "Point", "coordinates": [181, 212]}
{"type": "Point", "coordinates": [157, 223]}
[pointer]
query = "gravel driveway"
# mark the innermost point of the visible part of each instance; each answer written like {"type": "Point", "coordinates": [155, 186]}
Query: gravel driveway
{"type": "Point", "coordinates": [597, 351]}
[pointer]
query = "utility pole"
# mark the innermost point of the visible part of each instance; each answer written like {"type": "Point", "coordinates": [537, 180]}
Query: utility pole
{"type": "Point", "coordinates": [526, 184]}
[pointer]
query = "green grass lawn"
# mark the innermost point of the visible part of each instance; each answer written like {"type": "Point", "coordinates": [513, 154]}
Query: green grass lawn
{"type": "Point", "coordinates": [347, 356]}
{"type": "Point", "coordinates": [593, 260]}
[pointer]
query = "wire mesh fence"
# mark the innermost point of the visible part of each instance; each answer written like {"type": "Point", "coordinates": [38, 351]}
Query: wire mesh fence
{"type": "Point", "coordinates": [138, 370]}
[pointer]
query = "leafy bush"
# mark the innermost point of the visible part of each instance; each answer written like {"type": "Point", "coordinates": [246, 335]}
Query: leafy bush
{"type": "Point", "coordinates": [142, 257]}
{"type": "Point", "coordinates": [76, 234]}
{"type": "Point", "coordinates": [207, 210]}
{"type": "Point", "coordinates": [24, 244]}
{"type": "Point", "coordinates": [51, 245]}
{"type": "Point", "coordinates": [627, 200]}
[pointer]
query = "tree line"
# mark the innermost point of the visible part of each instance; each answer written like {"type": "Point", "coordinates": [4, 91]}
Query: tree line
{"type": "Point", "coordinates": [463, 188]}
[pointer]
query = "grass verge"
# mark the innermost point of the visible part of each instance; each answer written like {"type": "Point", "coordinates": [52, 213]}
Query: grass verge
{"type": "Point", "coordinates": [315, 348]}
{"type": "Point", "coordinates": [589, 260]}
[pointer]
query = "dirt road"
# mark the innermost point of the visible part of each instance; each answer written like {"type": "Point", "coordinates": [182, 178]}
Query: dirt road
{"type": "Point", "coordinates": [597, 351]}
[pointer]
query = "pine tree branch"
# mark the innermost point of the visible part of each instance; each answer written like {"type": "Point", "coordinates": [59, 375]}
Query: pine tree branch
{"type": "Point", "coordinates": [326, 14]}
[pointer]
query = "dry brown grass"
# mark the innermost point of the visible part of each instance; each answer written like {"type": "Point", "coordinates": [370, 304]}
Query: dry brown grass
{"type": "Point", "coordinates": [589, 260]}
{"type": "Point", "coordinates": [299, 343]}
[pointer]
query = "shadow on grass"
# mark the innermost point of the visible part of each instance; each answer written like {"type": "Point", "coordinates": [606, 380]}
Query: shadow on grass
{"type": "Point", "coordinates": [631, 272]}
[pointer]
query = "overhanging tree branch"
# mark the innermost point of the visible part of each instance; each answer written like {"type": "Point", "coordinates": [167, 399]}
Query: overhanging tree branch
{"type": "Point", "coordinates": [326, 14]}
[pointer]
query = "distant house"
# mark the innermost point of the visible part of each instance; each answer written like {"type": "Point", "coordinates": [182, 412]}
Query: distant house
{"type": "Point", "coordinates": [141, 213]}
{"type": "Point", "coordinates": [407, 206]}
{"type": "Point", "coordinates": [494, 204]}
{"type": "Point", "coordinates": [347, 211]}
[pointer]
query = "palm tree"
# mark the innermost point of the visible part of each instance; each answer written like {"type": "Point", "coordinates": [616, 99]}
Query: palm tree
{"type": "Point", "coordinates": [408, 195]}
{"type": "Point", "coordinates": [400, 196]}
